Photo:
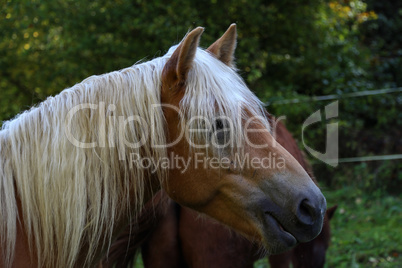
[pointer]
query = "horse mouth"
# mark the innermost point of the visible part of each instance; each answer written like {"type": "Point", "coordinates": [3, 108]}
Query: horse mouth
{"type": "Point", "coordinates": [279, 238]}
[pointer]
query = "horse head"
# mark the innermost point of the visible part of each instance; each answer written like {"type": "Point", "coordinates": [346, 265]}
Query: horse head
{"type": "Point", "coordinates": [228, 164]}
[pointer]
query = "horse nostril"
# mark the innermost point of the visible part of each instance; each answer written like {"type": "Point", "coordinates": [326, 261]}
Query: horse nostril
{"type": "Point", "coordinates": [306, 212]}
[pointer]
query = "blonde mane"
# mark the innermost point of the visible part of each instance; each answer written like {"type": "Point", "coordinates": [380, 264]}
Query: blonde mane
{"type": "Point", "coordinates": [69, 195]}
{"type": "Point", "coordinates": [216, 91]}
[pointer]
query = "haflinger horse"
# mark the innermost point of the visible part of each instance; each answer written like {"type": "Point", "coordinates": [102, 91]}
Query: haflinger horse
{"type": "Point", "coordinates": [172, 236]}
{"type": "Point", "coordinates": [77, 169]}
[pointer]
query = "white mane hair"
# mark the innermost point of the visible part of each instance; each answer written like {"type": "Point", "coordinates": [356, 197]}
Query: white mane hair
{"type": "Point", "coordinates": [70, 196]}
{"type": "Point", "coordinates": [213, 91]}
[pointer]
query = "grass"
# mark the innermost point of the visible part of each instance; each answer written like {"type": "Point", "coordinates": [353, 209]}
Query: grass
{"type": "Point", "coordinates": [366, 230]}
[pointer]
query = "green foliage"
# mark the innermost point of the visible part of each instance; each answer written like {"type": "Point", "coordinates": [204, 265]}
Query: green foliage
{"type": "Point", "coordinates": [344, 63]}
{"type": "Point", "coordinates": [383, 37]}
{"type": "Point", "coordinates": [366, 230]}
{"type": "Point", "coordinates": [50, 45]}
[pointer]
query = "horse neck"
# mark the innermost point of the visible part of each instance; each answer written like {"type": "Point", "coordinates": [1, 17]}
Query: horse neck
{"type": "Point", "coordinates": [71, 195]}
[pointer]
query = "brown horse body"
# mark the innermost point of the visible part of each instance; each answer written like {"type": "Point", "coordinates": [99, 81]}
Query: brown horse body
{"type": "Point", "coordinates": [183, 238]}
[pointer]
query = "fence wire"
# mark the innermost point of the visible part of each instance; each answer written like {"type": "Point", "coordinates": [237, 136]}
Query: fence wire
{"type": "Point", "coordinates": [337, 96]}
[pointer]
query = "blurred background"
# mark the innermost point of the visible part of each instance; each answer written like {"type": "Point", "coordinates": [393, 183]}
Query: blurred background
{"type": "Point", "coordinates": [296, 55]}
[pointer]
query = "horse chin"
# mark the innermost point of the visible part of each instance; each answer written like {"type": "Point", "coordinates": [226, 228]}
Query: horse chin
{"type": "Point", "coordinates": [275, 235]}
{"type": "Point", "coordinates": [276, 238]}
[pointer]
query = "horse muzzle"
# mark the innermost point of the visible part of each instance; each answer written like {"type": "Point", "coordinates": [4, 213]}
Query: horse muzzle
{"type": "Point", "coordinates": [293, 222]}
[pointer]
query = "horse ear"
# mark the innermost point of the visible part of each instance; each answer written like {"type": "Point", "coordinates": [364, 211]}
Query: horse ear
{"type": "Point", "coordinates": [331, 211]}
{"type": "Point", "coordinates": [181, 61]}
{"type": "Point", "coordinates": [224, 47]}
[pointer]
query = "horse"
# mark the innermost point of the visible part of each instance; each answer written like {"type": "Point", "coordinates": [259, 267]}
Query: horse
{"type": "Point", "coordinates": [178, 237]}
{"type": "Point", "coordinates": [78, 168]}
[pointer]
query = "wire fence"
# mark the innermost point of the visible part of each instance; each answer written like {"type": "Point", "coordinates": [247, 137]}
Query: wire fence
{"type": "Point", "coordinates": [346, 96]}
{"type": "Point", "coordinates": [370, 158]}
{"type": "Point", "coordinates": [337, 96]}
{"type": "Point", "coordinates": [363, 159]}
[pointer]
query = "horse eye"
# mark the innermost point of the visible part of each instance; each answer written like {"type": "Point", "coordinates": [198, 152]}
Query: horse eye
{"type": "Point", "coordinates": [218, 124]}
{"type": "Point", "coordinates": [222, 134]}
